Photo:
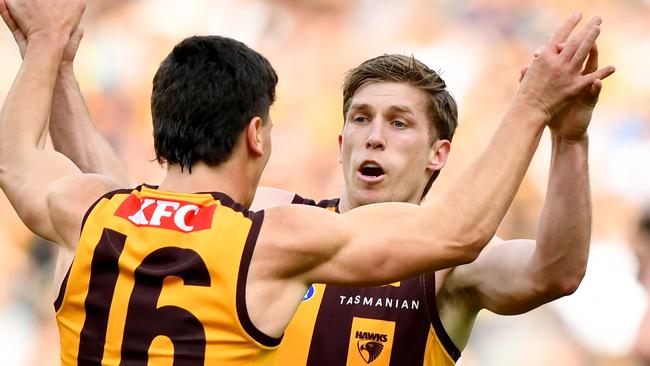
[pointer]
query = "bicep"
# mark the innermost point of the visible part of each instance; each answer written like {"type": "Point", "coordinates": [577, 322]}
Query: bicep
{"type": "Point", "coordinates": [365, 246]}
{"type": "Point", "coordinates": [501, 279]}
{"type": "Point", "coordinates": [296, 241]}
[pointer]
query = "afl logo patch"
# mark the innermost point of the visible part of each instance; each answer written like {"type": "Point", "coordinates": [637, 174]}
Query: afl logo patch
{"type": "Point", "coordinates": [310, 293]}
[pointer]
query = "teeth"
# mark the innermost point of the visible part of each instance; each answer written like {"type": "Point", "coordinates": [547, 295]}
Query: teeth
{"type": "Point", "coordinates": [370, 165]}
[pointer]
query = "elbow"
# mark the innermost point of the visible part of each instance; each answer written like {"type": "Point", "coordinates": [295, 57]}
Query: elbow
{"type": "Point", "coordinates": [564, 286]}
{"type": "Point", "coordinates": [466, 252]}
{"type": "Point", "coordinates": [571, 283]}
{"type": "Point", "coordinates": [473, 243]}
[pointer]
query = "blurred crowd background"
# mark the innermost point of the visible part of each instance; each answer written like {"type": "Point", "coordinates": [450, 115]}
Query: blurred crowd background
{"type": "Point", "coordinates": [478, 46]}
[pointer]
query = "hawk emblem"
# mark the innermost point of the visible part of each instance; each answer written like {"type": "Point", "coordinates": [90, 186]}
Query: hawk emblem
{"type": "Point", "coordinates": [369, 351]}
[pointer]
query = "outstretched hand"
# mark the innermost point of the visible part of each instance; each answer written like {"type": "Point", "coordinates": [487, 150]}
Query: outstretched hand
{"type": "Point", "coordinates": [571, 122]}
{"type": "Point", "coordinates": [21, 40]}
{"type": "Point", "coordinates": [556, 82]}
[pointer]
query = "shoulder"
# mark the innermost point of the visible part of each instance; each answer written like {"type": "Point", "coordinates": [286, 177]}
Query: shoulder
{"type": "Point", "coordinates": [70, 198]}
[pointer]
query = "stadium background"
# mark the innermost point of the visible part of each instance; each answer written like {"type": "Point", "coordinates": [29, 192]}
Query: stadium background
{"type": "Point", "coordinates": [479, 47]}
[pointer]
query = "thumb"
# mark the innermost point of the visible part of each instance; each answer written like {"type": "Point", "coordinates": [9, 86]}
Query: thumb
{"type": "Point", "coordinates": [591, 97]}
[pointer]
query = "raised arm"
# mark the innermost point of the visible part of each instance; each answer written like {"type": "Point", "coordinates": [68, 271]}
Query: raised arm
{"type": "Point", "coordinates": [28, 173]}
{"type": "Point", "coordinates": [515, 276]}
{"type": "Point", "coordinates": [383, 243]}
{"type": "Point", "coordinates": [71, 128]}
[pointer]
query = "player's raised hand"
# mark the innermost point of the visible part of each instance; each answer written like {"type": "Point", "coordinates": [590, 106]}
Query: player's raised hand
{"type": "Point", "coordinates": [21, 41]}
{"type": "Point", "coordinates": [48, 18]}
{"type": "Point", "coordinates": [571, 123]}
{"type": "Point", "coordinates": [557, 75]}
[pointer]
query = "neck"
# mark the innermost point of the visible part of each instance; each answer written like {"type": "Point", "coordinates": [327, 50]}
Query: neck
{"type": "Point", "coordinates": [228, 177]}
{"type": "Point", "coordinates": [348, 203]}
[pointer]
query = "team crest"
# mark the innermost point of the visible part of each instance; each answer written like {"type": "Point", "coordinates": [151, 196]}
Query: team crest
{"type": "Point", "coordinates": [371, 342]}
{"type": "Point", "coordinates": [369, 351]}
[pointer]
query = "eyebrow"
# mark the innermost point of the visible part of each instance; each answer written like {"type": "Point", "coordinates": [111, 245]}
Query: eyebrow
{"type": "Point", "coordinates": [402, 109]}
{"type": "Point", "coordinates": [394, 108]}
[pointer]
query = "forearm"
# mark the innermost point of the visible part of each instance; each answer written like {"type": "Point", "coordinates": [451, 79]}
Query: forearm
{"type": "Point", "coordinates": [75, 135]}
{"type": "Point", "coordinates": [24, 115]}
{"type": "Point", "coordinates": [481, 196]}
{"type": "Point", "coordinates": [564, 227]}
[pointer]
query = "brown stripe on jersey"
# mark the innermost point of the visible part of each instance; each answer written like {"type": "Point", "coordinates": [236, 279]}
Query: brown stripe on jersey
{"type": "Point", "coordinates": [64, 284]}
{"type": "Point", "coordinates": [333, 203]}
{"type": "Point", "coordinates": [107, 195]}
{"type": "Point", "coordinates": [145, 320]}
{"type": "Point", "coordinates": [302, 201]}
{"type": "Point", "coordinates": [229, 202]}
{"type": "Point", "coordinates": [104, 271]}
{"type": "Point", "coordinates": [242, 277]}
{"type": "Point", "coordinates": [429, 280]}
{"type": "Point", "coordinates": [330, 341]}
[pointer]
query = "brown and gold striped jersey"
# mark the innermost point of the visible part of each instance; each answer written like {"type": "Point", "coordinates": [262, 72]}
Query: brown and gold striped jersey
{"type": "Point", "coordinates": [159, 278]}
{"type": "Point", "coordinates": [394, 325]}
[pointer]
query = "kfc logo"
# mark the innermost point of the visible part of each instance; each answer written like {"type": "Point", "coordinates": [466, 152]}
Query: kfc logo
{"type": "Point", "coordinates": [167, 214]}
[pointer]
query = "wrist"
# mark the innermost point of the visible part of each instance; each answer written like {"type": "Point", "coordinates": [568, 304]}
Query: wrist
{"type": "Point", "coordinates": [526, 115]}
{"type": "Point", "coordinates": [66, 68]}
{"type": "Point", "coordinates": [47, 35]}
{"type": "Point", "coordinates": [558, 138]}
{"type": "Point", "coordinates": [46, 41]}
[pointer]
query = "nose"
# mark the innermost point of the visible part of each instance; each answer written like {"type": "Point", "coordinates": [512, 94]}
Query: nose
{"type": "Point", "coordinates": [376, 138]}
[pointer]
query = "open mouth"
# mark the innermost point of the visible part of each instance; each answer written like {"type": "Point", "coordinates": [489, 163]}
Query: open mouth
{"type": "Point", "coordinates": [371, 171]}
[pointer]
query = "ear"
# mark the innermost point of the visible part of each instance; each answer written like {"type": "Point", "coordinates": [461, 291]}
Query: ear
{"type": "Point", "coordinates": [439, 154]}
{"type": "Point", "coordinates": [254, 137]}
{"type": "Point", "coordinates": [340, 146]}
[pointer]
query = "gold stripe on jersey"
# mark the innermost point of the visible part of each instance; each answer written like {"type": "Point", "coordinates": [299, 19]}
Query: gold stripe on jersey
{"type": "Point", "coordinates": [294, 348]}
{"type": "Point", "coordinates": [435, 353]}
{"type": "Point", "coordinates": [158, 273]}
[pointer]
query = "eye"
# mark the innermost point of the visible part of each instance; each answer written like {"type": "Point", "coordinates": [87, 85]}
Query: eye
{"type": "Point", "coordinates": [398, 124]}
{"type": "Point", "coordinates": [360, 119]}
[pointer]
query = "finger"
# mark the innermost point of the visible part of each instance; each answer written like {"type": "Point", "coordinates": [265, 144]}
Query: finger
{"type": "Point", "coordinates": [578, 38]}
{"type": "Point", "coordinates": [584, 49]}
{"type": "Point", "coordinates": [600, 74]}
{"type": "Point", "coordinates": [6, 16]}
{"type": "Point", "coordinates": [592, 61]}
{"type": "Point", "coordinates": [77, 35]}
{"type": "Point", "coordinates": [566, 28]}
{"type": "Point", "coordinates": [75, 40]}
{"type": "Point", "coordinates": [538, 51]}
{"type": "Point", "coordinates": [522, 73]}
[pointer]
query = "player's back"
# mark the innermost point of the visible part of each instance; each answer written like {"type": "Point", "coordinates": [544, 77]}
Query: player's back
{"type": "Point", "coordinates": [159, 278]}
